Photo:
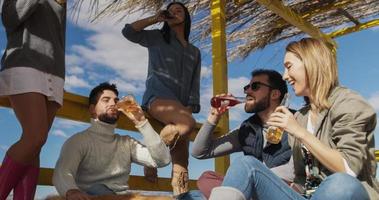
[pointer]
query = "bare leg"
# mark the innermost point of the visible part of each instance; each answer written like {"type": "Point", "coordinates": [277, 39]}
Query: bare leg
{"type": "Point", "coordinates": [179, 124]}
{"type": "Point", "coordinates": [35, 115]}
{"type": "Point", "coordinates": [26, 188]}
{"type": "Point", "coordinates": [178, 119]}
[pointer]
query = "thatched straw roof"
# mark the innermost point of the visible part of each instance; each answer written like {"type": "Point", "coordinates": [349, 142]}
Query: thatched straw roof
{"type": "Point", "coordinates": [250, 25]}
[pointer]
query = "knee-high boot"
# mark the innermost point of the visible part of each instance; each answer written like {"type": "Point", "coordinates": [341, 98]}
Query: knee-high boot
{"type": "Point", "coordinates": [11, 173]}
{"type": "Point", "coordinates": [26, 188]}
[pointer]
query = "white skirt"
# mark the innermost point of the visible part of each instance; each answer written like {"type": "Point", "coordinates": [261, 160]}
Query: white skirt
{"type": "Point", "coordinates": [19, 80]}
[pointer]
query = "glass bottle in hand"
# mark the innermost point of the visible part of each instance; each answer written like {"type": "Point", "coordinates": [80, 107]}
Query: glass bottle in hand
{"type": "Point", "coordinates": [128, 104]}
{"type": "Point", "coordinates": [219, 101]}
{"type": "Point", "coordinates": [274, 134]}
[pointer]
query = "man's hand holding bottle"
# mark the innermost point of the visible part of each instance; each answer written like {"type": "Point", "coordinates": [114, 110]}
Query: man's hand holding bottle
{"type": "Point", "coordinates": [222, 103]}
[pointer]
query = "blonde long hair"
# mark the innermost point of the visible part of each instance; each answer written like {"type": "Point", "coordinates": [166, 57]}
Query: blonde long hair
{"type": "Point", "coordinates": [320, 67]}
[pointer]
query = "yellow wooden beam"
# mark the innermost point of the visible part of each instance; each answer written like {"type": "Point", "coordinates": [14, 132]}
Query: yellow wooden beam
{"type": "Point", "coordinates": [377, 155]}
{"type": "Point", "coordinates": [135, 182]}
{"type": "Point", "coordinates": [75, 107]}
{"type": "Point", "coordinates": [353, 29]}
{"type": "Point", "coordinates": [322, 9]}
{"type": "Point", "coordinates": [293, 18]}
{"type": "Point", "coordinates": [310, 13]}
{"type": "Point", "coordinates": [220, 69]}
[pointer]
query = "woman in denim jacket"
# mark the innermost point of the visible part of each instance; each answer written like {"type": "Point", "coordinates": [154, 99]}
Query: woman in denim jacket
{"type": "Point", "coordinates": [172, 85]}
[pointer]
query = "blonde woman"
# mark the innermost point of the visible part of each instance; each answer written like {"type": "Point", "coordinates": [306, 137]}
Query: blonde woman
{"type": "Point", "coordinates": [331, 137]}
{"type": "Point", "coordinates": [32, 77]}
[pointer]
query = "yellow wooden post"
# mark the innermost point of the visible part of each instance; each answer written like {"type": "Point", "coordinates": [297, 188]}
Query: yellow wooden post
{"type": "Point", "coordinates": [220, 72]}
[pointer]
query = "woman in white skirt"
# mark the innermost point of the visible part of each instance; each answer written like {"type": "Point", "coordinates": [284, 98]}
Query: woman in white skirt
{"type": "Point", "coordinates": [32, 77]}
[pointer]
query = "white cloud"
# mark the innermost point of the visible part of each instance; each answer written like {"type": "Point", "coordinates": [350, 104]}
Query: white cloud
{"type": "Point", "coordinates": [72, 59]}
{"type": "Point", "coordinates": [136, 87]}
{"type": "Point", "coordinates": [206, 72]}
{"type": "Point", "coordinates": [113, 51]}
{"type": "Point", "coordinates": [374, 101]}
{"type": "Point", "coordinates": [59, 133]}
{"type": "Point", "coordinates": [106, 49]}
{"type": "Point", "coordinates": [236, 85]}
{"type": "Point", "coordinates": [68, 124]}
{"type": "Point", "coordinates": [73, 81]}
{"type": "Point", "coordinates": [75, 70]}
{"type": "Point", "coordinates": [94, 76]}
{"type": "Point", "coordinates": [4, 147]}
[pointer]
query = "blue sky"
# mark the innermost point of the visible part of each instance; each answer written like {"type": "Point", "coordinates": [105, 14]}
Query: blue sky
{"type": "Point", "coordinates": [98, 52]}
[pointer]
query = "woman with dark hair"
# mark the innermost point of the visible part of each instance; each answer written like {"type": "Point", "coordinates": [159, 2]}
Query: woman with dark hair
{"type": "Point", "coordinates": [172, 85]}
{"type": "Point", "coordinates": [32, 78]}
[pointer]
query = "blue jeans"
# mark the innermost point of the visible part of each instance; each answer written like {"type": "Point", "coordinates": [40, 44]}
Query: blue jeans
{"type": "Point", "coordinates": [254, 179]}
{"type": "Point", "coordinates": [99, 189]}
{"type": "Point", "coordinates": [191, 195]}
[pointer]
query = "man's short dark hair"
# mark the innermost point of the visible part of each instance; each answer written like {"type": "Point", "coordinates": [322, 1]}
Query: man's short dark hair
{"type": "Point", "coordinates": [275, 79]}
{"type": "Point", "coordinates": [98, 90]}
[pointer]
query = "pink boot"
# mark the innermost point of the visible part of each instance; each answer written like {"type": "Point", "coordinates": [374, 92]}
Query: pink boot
{"type": "Point", "coordinates": [26, 188]}
{"type": "Point", "coordinates": [11, 172]}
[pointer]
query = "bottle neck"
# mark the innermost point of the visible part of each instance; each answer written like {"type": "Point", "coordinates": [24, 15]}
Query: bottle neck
{"type": "Point", "coordinates": [240, 99]}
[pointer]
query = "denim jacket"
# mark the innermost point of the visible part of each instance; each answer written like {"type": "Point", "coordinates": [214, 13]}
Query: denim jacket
{"type": "Point", "coordinates": [174, 70]}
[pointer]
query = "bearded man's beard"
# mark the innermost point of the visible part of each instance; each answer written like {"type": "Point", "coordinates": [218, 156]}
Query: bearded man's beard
{"type": "Point", "coordinates": [110, 119]}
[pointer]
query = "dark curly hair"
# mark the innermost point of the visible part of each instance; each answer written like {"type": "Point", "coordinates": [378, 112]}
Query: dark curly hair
{"type": "Point", "coordinates": [98, 90]}
{"type": "Point", "coordinates": [274, 79]}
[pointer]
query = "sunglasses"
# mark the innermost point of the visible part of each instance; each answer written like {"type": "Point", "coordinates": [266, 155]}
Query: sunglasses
{"type": "Point", "coordinates": [255, 86]}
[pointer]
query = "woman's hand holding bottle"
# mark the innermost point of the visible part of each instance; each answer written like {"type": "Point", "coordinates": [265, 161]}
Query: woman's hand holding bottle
{"type": "Point", "coordinates": [285, 120]}
{"type": "Point", "coordinates": [162, 15]}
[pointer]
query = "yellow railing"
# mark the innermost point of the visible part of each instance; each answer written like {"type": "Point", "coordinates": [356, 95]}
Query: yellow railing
{"type": "Point", "coordinates": [75, 107]}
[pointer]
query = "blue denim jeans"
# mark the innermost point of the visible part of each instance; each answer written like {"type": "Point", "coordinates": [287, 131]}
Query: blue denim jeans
{"type": "Point", "coordinates": [99, 189]}
{"type": "Point", "coordinates": [191, 195]}
{"type": "Point", "coordinates": [255, 180]}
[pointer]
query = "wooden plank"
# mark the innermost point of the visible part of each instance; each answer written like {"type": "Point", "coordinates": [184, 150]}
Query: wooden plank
{"type": "Point", "coordinates": [75, 107]}
{"type": "Point", "coordinates": [310, 13]}
{"type": "Point", "coordinates": [360, 27]}
{"type": "Point", "coordinates": [135, 182]}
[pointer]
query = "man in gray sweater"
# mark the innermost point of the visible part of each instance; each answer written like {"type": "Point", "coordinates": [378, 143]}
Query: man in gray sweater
{"type": "Point", "coordinates": [97, 161]}
{"type": "Point", "coordinates": [263, 94]}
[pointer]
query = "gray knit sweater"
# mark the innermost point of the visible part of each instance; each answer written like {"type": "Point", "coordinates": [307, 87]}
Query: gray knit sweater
{"type": "Point", "coordinates": [99, 156]}
{"type": "Point", "coordinates": [35, 32]}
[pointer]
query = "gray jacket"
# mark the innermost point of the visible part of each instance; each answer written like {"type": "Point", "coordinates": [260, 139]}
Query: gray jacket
{"type": "Point", "coordinates": [347, 126]}
{"type": "Point", "coordinates": [35, 32]}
